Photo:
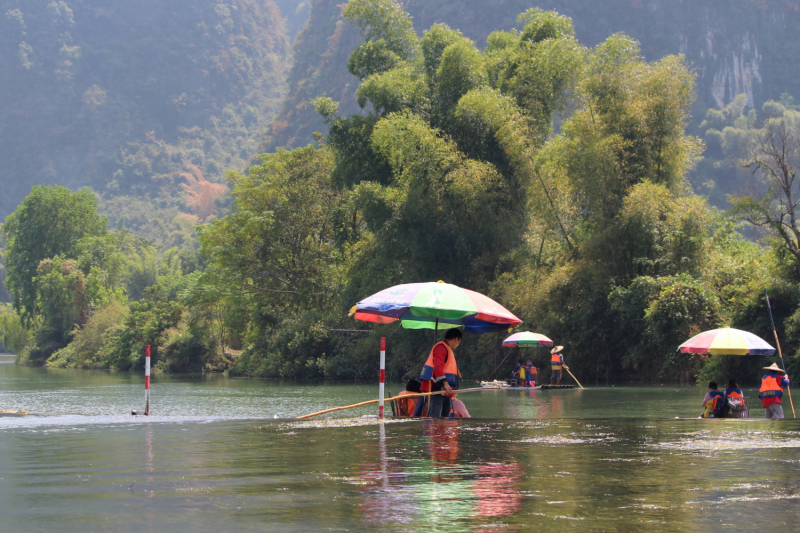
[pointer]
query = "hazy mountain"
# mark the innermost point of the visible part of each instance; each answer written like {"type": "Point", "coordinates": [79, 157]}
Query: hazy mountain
{"type": "Point", "coordinates": [122, 95]}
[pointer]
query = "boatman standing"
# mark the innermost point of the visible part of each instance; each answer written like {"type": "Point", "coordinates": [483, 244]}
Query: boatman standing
{"type": "Point", "coordinates": [556, 363]}
{"type": "Point", "coordinates": [441, 372]}
{"type": "Point", "coordinates": [771, 391]}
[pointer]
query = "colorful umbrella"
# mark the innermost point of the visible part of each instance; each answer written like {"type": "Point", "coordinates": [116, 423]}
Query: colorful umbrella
{"type": "Point", "coordinates": [527, 339]}
{"type": "Point", "coordinates": [435, 306]}
{"type": "Point", "coordinates": [726, 341]}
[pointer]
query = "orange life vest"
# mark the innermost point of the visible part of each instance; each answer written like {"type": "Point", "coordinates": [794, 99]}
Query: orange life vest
{"type": "Point", "coordinates": [555, 361]}
{"type": "Point", "coordinates": [735, 399]}
{"type": "Point", "coordinates": [407, 404]}
{"type": "Point", "coordinates": [450, 367]}
{"type": "Point", "coordinates": [733, 395]}
{"type": "Point", "coordinates": [770, 387]}
{"type": "Point", "coordinates": [715, 405]}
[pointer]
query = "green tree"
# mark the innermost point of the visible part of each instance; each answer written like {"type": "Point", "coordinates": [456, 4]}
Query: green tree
{"type": "Point", "coordinates": [50, 222]}
{"type": "Point", "coordinates": [148, 322]}
{"type": "Point", "coordinates": [389, 37]}
{"type": "Point", "coordinates": [773, 156]}
{"type": "Point", "coordinates": [278, 244]}
{"type": "Point", "coordinates": [14, 334]}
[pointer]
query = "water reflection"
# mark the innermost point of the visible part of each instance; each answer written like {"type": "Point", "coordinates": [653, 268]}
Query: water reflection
{"type": "Point", "coordinates": [497, 489]}
{"type": "Point", "coordinates": [411, 479]}
{"type": "Point", "coordinates": [547, 461]}
{"type": "Point", "coordinates": [465, 475]}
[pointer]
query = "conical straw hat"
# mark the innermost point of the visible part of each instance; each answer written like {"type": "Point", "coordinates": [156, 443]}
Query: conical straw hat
{"type": "Point", "coordinates": [557, 349]}
{"type": "Point", "coordinates": [774, 368]}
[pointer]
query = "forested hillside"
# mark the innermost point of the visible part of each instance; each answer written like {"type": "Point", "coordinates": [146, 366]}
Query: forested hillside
{"type": "Point", "coordinates": [537, 158]}
{"type": "Point", "coordinates": [550, 175]}
{"type": "Point", "coordinates": [735, 47]}
{"type": "Point", "coordinates": [124, 96]}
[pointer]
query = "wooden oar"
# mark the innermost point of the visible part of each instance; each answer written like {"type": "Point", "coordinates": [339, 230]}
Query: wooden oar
{"type": "Point", "coordinates": [573, 377]}
{"type": "Point", "coordinates": [415, 395]}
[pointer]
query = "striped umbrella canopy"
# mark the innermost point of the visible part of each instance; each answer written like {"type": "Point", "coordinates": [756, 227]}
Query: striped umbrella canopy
{"type": "Point", "coordinates": [727, 341]}
{"type": "Point", "coordinates": [527, 339]}
{"type": "Point", "coordinates": [435, 306]}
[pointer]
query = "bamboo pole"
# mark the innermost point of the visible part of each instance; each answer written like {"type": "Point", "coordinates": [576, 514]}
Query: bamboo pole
{"type": "Point", "coordinates": [780, 353]}
{"type": "Point", "coordinates": [414, 395]}
{"type": "Point", "coordinates": [573, 377]}
{"type": "Point", "coordinates": [789, 388]}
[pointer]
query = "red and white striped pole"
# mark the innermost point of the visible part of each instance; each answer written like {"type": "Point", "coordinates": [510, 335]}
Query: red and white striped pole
{"type": "Point", "coordinates": [147, 380]}
{"type": "Point", "coordinates": [383, 377]}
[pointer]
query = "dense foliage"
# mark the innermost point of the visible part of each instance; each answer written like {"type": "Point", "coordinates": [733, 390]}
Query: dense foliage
{"type": "Point", "coordinates": [549, 175]}
{"type": "Point", "coordinates": [734, 45]}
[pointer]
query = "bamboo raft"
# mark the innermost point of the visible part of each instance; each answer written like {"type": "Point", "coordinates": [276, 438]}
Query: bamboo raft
{"type": "Point", "coordinates": [505, 386]}
{"type": "Point", "coordinates": [539, 387]}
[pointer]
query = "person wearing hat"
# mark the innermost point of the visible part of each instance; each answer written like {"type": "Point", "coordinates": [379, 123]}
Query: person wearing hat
{"type": "Point", "coordinates": [771, 390]}
{"type": "Point", "coordinates": [556, 363]}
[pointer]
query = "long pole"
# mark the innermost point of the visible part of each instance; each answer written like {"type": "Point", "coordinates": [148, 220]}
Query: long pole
{"type": "Point", "coordinates": [494, 372]}
{"type": "Point", "coordinates": [573, 377]}
{"type": "Point", "coordinates": [383, 377]}
{"type": "Point", "coordinates": [780, 353]}
{"type": "Point", "coordinates": [147, 380]}
{"type": "Point", "coordinates": [414, 395]}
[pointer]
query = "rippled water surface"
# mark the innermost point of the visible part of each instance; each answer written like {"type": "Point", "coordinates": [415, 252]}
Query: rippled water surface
{"type": "Point", "coordinates": [214, 458]}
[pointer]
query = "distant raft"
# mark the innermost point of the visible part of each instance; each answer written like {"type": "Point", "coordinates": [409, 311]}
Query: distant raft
{"type": "Point", "coordinates": [504, 385]}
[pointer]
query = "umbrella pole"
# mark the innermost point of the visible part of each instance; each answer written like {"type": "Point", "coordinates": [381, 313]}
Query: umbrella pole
{"type": "Point", "coordinates": [780, 353]}
{"type": "Point", "coordinates": [427, 400]}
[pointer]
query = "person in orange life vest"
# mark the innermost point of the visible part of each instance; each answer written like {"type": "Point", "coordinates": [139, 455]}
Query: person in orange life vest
{"type": "Point", "coordinates": [532, 373]}
{"type": "Point", "coordinates": [410, 404]}
{"type": "Point", "coordinates": [441, 371]}
{"type": "Point", "coordinates": [771, 390]}
{"type": "Point", "coordinates": [520, 372]}
{"type": "Point", "coordinates": [736, 407]}
{"type": "Point", "coordinates": [556, 363]}
{"type": "Point", "coordinates": [712, 400]}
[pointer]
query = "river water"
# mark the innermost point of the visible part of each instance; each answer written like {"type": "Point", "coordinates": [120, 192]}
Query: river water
{"type": "Point", "coordinates": [224, 454]}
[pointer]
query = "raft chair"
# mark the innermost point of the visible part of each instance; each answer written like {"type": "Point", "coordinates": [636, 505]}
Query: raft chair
{"type": "Point", "coordinates": [740, 411]}
{"type": "Point", "coordinates": [401, 408]}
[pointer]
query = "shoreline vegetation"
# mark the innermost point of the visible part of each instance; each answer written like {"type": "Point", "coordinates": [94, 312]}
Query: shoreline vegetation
{"type": "Point", "coordinates": [551, 176]}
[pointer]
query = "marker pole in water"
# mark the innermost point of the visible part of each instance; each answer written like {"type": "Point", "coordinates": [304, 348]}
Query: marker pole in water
{"type": "Point", "coordinates": [147, 380]}
{"type": "Point", "coordinates": [383, 377]}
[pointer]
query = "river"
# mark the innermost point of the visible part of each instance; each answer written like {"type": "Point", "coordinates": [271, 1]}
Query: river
{"type": "Point", "coordinates": [223, 454]}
